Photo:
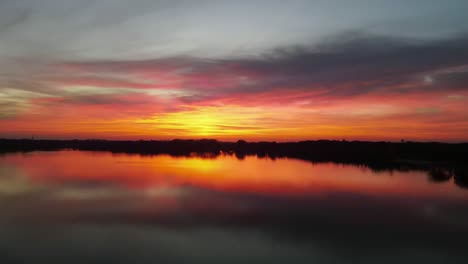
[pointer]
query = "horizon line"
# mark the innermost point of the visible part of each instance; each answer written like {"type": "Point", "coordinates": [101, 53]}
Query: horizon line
{"type": "Point", "coordinates": [238, 140]}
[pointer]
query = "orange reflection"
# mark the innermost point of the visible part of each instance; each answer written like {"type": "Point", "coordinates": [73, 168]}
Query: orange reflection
{"type": "Point", "coordinates": [169, 175]}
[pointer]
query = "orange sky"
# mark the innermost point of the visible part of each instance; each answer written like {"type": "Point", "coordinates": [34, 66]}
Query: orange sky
{"type": "Point", "coordinates": [276, 115]}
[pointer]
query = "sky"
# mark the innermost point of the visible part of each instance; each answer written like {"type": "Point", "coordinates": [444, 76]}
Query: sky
{"type": "Point", "coordinates": [254, 70]}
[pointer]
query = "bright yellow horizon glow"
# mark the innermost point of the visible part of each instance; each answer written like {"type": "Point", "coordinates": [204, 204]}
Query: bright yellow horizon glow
{"type": "Point", "coordinates": [214, 121]}
{"type": "Point", "coordinates": [231, 122]}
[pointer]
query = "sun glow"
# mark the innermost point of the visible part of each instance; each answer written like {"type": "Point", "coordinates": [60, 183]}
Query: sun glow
{"type": "Point", "coordinates": [209, 121]}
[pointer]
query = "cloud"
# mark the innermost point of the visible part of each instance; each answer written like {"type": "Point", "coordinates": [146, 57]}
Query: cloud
{"type": "Point", "coordinates": [344, 81]}
{"type": "Point", "coordinates": [345, 67]}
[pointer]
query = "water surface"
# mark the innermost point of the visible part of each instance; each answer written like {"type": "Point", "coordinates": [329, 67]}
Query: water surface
{"type": "Point", "coordinates": [99, 207]}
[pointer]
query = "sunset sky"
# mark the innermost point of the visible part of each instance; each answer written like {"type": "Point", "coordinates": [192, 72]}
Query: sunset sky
{"type": "Point", "coordinates": [256, 70]}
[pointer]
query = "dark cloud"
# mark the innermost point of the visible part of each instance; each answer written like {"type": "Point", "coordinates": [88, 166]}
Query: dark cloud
{"type": "Point", "coordinates": [357, 66]}
{"type": "Point", "coordinates": [347, 66]}
{"type": "Point", "coordinates": [454, 81]}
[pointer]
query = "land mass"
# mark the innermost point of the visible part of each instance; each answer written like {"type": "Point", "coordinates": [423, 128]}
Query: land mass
{"type": "Point", "coordinates": [319, 150]}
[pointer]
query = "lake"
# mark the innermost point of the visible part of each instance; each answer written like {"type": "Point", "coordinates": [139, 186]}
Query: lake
{"type": "Point", "coordinates": [100, 207]}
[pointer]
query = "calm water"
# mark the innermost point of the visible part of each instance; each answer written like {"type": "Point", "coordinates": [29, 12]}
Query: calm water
{"type": "Point", "coordinates": [92, 207]}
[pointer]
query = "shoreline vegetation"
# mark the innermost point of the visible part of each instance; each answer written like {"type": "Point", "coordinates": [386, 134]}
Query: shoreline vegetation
{"type": "Point", "coordinates": [442, 161]}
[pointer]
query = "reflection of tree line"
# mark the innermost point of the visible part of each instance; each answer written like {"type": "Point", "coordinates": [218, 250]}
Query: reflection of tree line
{"type": "Point", "coordinates": [442, 161]}
{"type": "Point", "coordinates": [459, 174]}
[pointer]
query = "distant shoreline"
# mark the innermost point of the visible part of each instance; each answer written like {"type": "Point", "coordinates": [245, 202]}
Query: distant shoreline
{"type": "Point", "coordinates": [309, 150]}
